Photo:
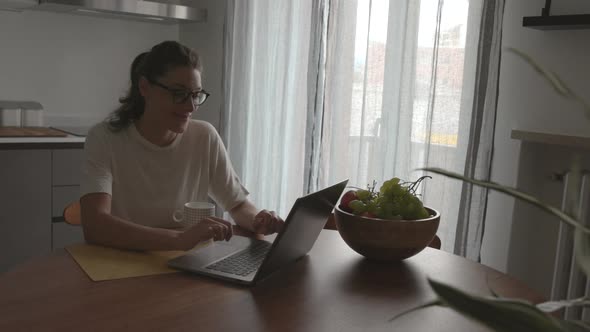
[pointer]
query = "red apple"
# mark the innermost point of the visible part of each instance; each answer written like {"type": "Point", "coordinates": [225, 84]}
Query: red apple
{"type": "Point", "coordinates": [348, 197]}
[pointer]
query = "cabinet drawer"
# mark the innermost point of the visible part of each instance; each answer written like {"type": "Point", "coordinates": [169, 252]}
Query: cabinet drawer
{"type": "Point", "coordinates": [25, 205]}
{"type": "Point", "coordinates": [62, 197]}
{"type": "Point", "coordinates": [65, 234]}
{"type": "Point", "coordinates": [67, 166]}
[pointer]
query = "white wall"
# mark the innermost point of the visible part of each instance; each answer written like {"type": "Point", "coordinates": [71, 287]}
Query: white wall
{"type": "Point", "coordinates": [527, 102]}
{"type": "Point", "coordinates": [75, 66]}
{"type": "Point", "coordinates": [207, 39]}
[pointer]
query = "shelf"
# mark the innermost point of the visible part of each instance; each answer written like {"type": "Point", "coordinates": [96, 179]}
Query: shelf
{"type": "Point", "coordinates": [553, 139]}
{"type": "Point", "coordinates": [557, 22]}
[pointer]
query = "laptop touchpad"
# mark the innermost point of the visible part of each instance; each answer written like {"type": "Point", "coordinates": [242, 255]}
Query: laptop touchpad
{"type": "Point", "coordinates": [207, 255]}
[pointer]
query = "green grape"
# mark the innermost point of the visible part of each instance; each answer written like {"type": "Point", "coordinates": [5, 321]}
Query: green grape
{"type": "Point", "coordinates": [423, 214]}
{"type": "Point", "coordinates": [378, 199]}
{"type": "Point", "coordinates": [372, 206]}
{"type": "Point", "coordinates": [407, 210]}
{"type": "Point", "coordinates": [398, 190]}
{"type": "Point", "coordinates": [418, 201]}
{"type": "Point", "coordinates": [396, 209]}
{"type": "Point", "coordinates": [413, 208]}
{"type": "Point", "coordinates": [358, 207]}
{"type": "Point", "coordinates": [363, 195]}
{"type": "Point", "coordinates": [394, 181]}
{"type": "Point", "coordinates": [387, 208]}
{"type": "Point", "coordinates": [394, 200]}
{"type": "Point", "coordinates": [388, 184]}
{"type": "Point", "coordinates": [377, 212]}
{"type": "Point", "coordinates": [387, 196]}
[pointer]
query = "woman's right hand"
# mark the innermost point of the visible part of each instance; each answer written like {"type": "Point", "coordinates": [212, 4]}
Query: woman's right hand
{"type": "Point", "coordinates": [208, 228]}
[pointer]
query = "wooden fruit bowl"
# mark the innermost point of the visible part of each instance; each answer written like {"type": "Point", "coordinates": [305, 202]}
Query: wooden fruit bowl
{"type": "Point", "coordinates": [386, 240]}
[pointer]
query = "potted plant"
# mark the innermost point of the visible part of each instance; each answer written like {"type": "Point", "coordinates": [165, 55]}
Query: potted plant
{"type": "Point", "coordinates": [502, 314]}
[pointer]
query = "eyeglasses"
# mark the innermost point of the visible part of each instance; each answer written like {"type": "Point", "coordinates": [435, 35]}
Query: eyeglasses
{"type": "Point", "coordinates": [181, 96]}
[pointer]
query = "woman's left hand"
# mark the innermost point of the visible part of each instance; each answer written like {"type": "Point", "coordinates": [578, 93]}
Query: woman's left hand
{"type": "Point", "coordinates": [267, 222]}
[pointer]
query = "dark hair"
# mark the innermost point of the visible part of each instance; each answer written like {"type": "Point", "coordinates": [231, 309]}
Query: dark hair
{"type": "Point", "coordinates": [151, 65]}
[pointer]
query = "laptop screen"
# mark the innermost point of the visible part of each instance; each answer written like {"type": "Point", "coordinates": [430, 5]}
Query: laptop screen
{"type": "Point", "coordinates": [302, 228]}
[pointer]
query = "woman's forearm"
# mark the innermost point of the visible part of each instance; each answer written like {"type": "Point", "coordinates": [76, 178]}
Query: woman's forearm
{"type": "Point", "coordinates": [105, 229]}
{"type": "Point", "coordinates": [243, 214]}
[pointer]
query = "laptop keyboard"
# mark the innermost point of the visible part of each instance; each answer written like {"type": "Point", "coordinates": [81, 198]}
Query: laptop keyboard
{"type": "Point", "coordinates": [244, 262]}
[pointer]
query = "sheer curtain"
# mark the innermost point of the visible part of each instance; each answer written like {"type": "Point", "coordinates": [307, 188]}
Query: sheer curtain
{"type": "Point", "coordinates": [399, 96]}
{"type": "Point", "coordinates": [391, 86]}
{"type": "Point", "coordinates": [267, 44]}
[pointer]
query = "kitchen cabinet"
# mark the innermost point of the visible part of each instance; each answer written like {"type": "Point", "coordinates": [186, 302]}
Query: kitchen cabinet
{"type": "Point", "coordinates": [35, 186]}
{"type": "Point", "coordinates": [66, 176]}
{"type": "Point", "coordinates": [25, 208]}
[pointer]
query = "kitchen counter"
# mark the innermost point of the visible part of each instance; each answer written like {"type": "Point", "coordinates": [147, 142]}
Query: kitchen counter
{"type": "Point", "coordinates": [67, 142]}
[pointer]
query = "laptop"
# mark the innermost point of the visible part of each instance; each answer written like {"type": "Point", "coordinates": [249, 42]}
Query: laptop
{"type": "Point", "coordinates": [247, 261]}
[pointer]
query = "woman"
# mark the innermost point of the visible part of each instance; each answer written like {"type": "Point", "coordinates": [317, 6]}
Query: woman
{"type": "Point", "coordinates": [149, 158]}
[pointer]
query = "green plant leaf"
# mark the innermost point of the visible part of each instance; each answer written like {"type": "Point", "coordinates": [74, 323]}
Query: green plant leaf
{"type": "Point", "coordinates": [492, 291]}
{"type": "Point", "coordinates": [550, 76]}
{"type": "Point", "coordinates": [514, 193]}
{"type": "Point", "coordinates": [423, 306]}
{"type": "Point", "coordinates": [582, 250]}
{"type": "Point", "coordinates": [498, 314]}
{"type": "Point", "coordinates": [556, 82]}
{"type": "Point", "coordinates": [574, 326]}
{"type": "Point", "coordinates": [494, 294]}
{"type": "Point", "coordinates": [581, 234]}
{"type": "Point", "coordinates": [552, 306]}
{"type": "Point", "coordinates": [512, 315]}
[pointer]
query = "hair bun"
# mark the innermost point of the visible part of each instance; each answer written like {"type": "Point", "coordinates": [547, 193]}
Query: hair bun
{"type": "Point", "coordinates": [136, 66]}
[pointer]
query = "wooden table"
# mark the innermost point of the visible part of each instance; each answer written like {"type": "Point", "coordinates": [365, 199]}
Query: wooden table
{"type": "Point", "coordinates": [332, 289]}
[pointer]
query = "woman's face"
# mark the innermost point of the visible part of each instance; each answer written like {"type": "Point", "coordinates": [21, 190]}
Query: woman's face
{"type": "Point", "coordinates": [168, 100]}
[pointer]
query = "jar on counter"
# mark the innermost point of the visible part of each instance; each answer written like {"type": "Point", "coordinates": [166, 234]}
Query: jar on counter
{"type": "Point", "coordinates": [16, 117]}
{"type": "Point", "coordinates": [10, 117]}
{"type": "Point", "coordinates": [31, 118]}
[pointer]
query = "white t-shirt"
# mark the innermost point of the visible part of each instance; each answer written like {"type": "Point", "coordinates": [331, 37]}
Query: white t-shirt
{"type": "Point", "coordinates": [148, 182]}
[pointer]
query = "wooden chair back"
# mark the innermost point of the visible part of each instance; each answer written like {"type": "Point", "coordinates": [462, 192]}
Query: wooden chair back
{"type": "Point", "coordinates": [72, 214]}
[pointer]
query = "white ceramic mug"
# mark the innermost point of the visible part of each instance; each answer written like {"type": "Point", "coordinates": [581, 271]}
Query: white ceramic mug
{"type": "Point", "coordinates": [193, 212]}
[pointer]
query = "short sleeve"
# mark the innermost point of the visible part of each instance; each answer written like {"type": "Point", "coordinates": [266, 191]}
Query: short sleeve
{"type": "Point", "coordinates": [97, 174]}
{"type": "Point", "coordinates": [225, 186]}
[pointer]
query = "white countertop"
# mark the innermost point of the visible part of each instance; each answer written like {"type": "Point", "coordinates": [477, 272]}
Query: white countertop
{"type": "Point", "coordinates": [41, 140]}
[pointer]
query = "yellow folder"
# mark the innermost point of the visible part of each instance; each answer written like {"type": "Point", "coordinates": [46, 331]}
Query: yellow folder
{"type": "Point", "coordinates": [102, 263]}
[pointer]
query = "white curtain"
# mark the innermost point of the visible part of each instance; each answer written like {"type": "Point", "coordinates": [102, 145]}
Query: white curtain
{"type": "Point", "coordinates": [390, 88]}
{"type": "Point", "coordinates": [472, 209]}
{"type": "Point", "coordinates": [399, 95]}
{"type": "Point", "coordinates": [265, 111]}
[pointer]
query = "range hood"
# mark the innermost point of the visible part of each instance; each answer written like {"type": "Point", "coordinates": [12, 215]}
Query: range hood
{"type": "Point", "coordinates": [141, 10]}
